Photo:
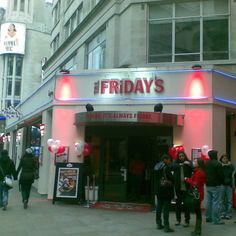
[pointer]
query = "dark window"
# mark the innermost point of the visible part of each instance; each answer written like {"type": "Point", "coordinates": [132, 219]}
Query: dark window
{"type": "Point", "coordinates": [215, 39]}
{"type": "Point", "coordinates": [160, 42]}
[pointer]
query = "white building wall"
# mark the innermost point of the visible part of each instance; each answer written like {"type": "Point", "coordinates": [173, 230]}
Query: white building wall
{"type": "Point", "coordinates": [233, 141]}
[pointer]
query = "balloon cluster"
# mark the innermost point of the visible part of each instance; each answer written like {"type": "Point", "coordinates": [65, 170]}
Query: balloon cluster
{"type": "Point", "coordinates": [204, 152]}
{"type": "Point", "coordinates": [82, 148]}
{"type": "Point", "coordinates": [54, 146]}
{"type": "Point", "coordinates": [173, 151]}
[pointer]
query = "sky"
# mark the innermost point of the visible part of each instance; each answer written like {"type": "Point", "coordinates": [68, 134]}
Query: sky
{"type": "Point", "coordinates": [3, 3]}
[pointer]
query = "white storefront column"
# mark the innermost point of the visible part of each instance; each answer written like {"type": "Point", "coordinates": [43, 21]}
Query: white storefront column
{"type": "Point", "coordinates": [219, 129]}
{"type": "Point", "coordinates": [45, 158]}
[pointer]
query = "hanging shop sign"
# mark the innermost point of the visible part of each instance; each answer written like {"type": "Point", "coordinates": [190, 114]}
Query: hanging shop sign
{"type": "Point", "coordinates": [12, 38]}
{"type": "Point", "coordinates": [103, 117]}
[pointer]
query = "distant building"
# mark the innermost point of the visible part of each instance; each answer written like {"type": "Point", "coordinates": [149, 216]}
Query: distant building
{"type": "Point", "coordinates": [24, 42]}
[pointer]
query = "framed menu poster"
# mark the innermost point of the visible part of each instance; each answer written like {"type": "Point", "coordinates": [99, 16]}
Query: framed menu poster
{"type": "Point", "coordinates": [67, 182]}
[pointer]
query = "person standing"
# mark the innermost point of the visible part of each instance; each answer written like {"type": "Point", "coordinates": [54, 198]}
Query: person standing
{"type": "Point", "coordinates": [7, 168]}
{"type": "Point", "coordinates": [198, 179]}
{"type": "Point", "coordinates": [226, 197]}
{"type": "Point", "coordinates": [182, 168]}
{"type": "Point", "coordinates": [214, 181]}
{"type": "Point", "coordinates": [27, 166]}
{"type": "Point", "coordinates": [164, 194]}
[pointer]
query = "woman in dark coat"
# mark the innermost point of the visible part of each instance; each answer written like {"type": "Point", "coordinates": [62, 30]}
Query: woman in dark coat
{"type": "Point", "coordinates": [27, 167]}
{"type": "Point", "coordinates": [7, 167]}
{"type": "Point", "coordinates": [164, 194]}
{"type": "Point", "coordinates": [182, 168]}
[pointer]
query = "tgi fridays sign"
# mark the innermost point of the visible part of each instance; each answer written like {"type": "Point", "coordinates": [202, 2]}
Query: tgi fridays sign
{"type": "Point", "coordinates": [127, 86]}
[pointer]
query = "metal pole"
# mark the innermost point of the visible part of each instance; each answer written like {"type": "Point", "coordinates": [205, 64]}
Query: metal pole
{"type": "Point", "coordinates": [87, 192]}
{"type": "Point", "coordinates": [94, 188]}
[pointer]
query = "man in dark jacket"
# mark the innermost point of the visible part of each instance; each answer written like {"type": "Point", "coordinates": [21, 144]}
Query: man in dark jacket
{"type": "Point", "coordinates": [164, 194]}
{"type": "Point", "coordinates": [214, 181]}
{"type": "Point", "coordinates": [7, 168]}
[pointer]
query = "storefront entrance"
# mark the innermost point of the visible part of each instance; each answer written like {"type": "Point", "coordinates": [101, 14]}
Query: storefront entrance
{"type": "Point", "coordinates": [123, 158]}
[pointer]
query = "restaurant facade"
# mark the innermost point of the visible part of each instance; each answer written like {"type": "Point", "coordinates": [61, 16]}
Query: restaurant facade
{"type": "Point", "coordinates": [123, 125]}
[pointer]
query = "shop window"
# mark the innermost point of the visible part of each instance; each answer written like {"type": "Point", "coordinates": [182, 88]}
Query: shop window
{"type": "Point", "coordinates": [96, 52]}
{"type": "Point", "coordinates": [188, 31]}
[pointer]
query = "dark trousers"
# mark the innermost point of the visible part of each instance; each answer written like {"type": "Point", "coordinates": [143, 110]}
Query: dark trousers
{"type": "Point", "coordinates": [25, 191]}
{"type": "Point", "coordinates": [163, 206]}
{"type": "Point", "coordinates": [180, 205]}
{"type": "Point", "coordinates": [198, 213]}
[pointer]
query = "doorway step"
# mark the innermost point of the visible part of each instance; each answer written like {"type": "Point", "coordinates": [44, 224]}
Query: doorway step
{"type": "Point", "coordinates": [122, 206]}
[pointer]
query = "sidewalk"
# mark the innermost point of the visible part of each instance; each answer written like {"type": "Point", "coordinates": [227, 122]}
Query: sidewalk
{"type": "Point", "coordinates": [42, 218]}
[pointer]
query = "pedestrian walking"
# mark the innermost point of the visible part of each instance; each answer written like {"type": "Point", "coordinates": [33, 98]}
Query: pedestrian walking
{"type": "Point", "coordinates": [7, 168]}
{"type": "Point", "coordinates": [214, 181]}
{"type": "Point", "coordinates": [182, 167]}
{"type": "Point", "coordinates": [198, 179]}
{"type": "Point", "coordinates": [164, 192]}
{"type": "Point", "coordinates": [26, 168]}
{"type": "Point", "coordinates": [226, 195]}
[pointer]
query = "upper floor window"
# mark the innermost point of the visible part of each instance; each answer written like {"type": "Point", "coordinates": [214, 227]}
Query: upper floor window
{"type": "Point", "coordinates": [73, 22]}
{"type": "Point", "coordinates": [56, 12]}
{"type": "Point", "coordinates": [189, 31]}
{"type": "Point", "coordinates": [96, 52]}
{"type": "Point", "coordinates": [55, 43]}
{"type": "Point", "coordinates": [70, 64]}
{"type": "Point", "coordinates": [22, 6]}
{"type": "Point", "coordinates": [13, 65]}
{"type": "Point", "coordinates": [15, 5]}
{"type": "Point", "coordinates": [68, 2]}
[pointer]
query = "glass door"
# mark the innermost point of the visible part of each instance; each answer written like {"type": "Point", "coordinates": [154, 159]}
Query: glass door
{"type": "Point", "coordinates": [115, 169]}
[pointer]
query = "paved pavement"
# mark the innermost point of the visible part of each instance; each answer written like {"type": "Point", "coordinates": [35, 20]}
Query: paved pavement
{"type": "Point", "coordinates": [42, 218]}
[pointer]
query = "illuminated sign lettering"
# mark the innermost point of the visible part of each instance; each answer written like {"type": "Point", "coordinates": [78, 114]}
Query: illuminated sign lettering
{"type": "Point", "coordinates": [128, 86]}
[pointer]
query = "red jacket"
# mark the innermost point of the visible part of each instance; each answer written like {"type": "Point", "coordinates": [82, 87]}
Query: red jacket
{"type": "Point", "coordinates": [198, 179]}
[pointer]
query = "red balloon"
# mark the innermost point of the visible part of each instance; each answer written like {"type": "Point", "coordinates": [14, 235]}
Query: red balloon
{"type": "Point", "coordinates": [86, 152]}
{"type": "Point", "coordinates": [49, 149]}
{"type": "Point", "coordinates": [61, 149]}
{"type": "Point", "coordinates": [172, 152]}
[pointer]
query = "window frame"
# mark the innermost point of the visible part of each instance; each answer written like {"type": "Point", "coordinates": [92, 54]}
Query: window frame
{"type": "Point", "coordinates": [196, 56]}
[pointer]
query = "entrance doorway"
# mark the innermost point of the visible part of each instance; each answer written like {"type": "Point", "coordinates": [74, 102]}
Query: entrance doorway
{"type": "Point", "coordinates": [123, 159]}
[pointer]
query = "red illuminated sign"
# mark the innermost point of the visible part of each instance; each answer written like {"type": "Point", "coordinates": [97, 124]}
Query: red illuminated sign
{"type": "Point", "coordinates": [127, 86]}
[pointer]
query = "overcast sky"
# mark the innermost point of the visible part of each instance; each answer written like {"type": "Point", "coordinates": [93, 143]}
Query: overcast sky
{"type": "Point", "coordinates": [3, 3]}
